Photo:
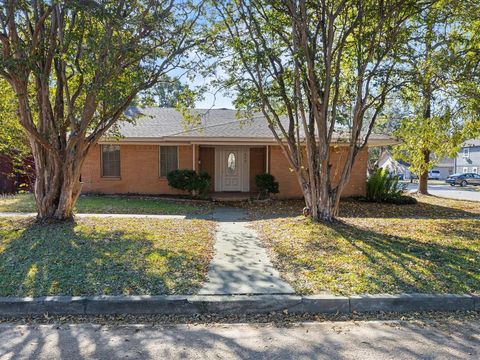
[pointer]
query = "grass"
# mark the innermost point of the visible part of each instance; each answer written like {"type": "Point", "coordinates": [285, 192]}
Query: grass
{"type": "Point", "coordinates": [110, 205]}
{"type": "Point", "coordinates": [433, 246]}
{"type": "Point", "coordinates": [104, 256]}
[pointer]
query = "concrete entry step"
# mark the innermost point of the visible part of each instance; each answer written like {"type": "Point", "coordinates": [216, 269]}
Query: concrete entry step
{"type": "Point", "coordinates": [240, 264]}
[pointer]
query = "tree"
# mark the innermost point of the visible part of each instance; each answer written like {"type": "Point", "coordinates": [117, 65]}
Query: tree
{"type": "Point", "coordinates": [86, 61]}
{"type": "Point", "coordinates": [311, 68]}
{"type": "Point", "coordinates": [441, 98]}
{"type": "Point", "coordinates": [165, 94]}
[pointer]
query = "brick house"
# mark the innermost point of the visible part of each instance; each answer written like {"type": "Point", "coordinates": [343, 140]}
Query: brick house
{"type": "Point", "coordinates": [232, 151]}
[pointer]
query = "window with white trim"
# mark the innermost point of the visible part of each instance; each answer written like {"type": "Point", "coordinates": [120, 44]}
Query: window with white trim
{"type": "Point", "coordinates": [168, 159]}
{"type": "Point", "coordinates": [465, 170]}
{"type": "Point", "coordinates": [110, 160]}
{"type": "Point", "coordinates": [475, 170]}
{"type": "Point", "coordinates": [466, 153]}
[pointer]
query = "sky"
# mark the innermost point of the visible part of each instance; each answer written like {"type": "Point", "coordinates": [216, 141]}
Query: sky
{"type": "Point", "coordinates": [214, 97]}
{"type": "Point", "coordinates": [216, 101]}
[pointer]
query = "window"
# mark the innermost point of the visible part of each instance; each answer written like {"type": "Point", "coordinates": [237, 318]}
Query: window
{"type": "Point", "coordinates": [466, 153]}
{"type": "Point", "coordinates": [231, 163]}
{"type": "Point", "coordinates": [465, 170]}
{"type": "Point", "coordinates": [475, 170]}
{"type": "Point", "coordinates": [110, 160]}
{"type": "Point", "coordinates": [168, 159]}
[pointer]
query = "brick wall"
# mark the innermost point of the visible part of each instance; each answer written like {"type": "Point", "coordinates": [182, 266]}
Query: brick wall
{"type": "Point", "coordinates": [139, 171]}
{"type": "Point", "coordinates": [289, 186]}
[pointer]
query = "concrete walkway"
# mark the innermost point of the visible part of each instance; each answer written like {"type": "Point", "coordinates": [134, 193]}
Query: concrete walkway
{"type": "Point", "coordinates": [240, 264]}
{"type": "Point", "coordinates": [138, 216]}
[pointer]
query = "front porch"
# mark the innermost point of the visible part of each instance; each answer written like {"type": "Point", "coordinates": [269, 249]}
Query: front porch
{"type": "Point", "coordinates": [233, 169]}
{"type": "Point", "coordinates": [232, 196]}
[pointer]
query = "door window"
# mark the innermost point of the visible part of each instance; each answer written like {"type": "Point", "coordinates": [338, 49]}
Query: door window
{"type": "Point", "coordinates": [231, 163]}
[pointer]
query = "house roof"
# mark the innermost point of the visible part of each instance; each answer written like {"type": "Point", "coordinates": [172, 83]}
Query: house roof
{"type": "Point", "coordinates": [168, 124]}
{"type": "Point", "coordinates": [471, 143]}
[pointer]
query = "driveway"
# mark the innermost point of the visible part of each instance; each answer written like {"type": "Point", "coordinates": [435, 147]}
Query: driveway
{"type": "Point", "coordinates": [444, 190]}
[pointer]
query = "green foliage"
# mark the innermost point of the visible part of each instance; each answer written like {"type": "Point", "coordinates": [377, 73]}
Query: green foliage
{"type": "Point", "coordinates": [166, 93]}
{"type": "Point", "coordinates": [189, 180]}
{"type": "Point", "coordinates": [13, 141]}
{"type": "Point", "coordinates": [266, 184]}
{"type": "Point", "coordinates": [383, 187]}
{"type": "Point", "coordinates": [440, 103]}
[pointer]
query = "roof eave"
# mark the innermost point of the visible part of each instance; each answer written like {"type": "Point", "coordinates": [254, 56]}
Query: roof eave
{"type": "Point", "coordinates": [227, 140]}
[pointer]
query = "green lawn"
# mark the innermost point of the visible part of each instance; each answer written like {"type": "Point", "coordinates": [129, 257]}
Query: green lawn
{"type": "Point", "coordinates": [433, 246]}
{"type": "Point", "coordinates": [104, 256]}
{"type": "Point", "coordinates": [111, 205]}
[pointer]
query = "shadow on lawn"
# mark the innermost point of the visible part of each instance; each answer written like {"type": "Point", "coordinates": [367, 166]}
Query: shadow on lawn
{"type": "Point", "coordinates": [60, 259]}
{"type": "Point", "coordinates": [355, 208]}
{"type": "Point", "coordinates": [409, 265]}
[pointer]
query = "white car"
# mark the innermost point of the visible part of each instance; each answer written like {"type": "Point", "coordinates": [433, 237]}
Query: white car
{"type": "Point", "coordinates": [434, 174]}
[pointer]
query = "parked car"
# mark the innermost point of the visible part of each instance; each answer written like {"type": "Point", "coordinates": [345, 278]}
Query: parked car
{"type": "Point", "coordinates": [463, 179]}
{"type": "Point", "coordinates": [434, 175]}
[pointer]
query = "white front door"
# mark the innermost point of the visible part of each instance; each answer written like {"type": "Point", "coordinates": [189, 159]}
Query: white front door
{"type": "Point", "coordinates": [231, 168]}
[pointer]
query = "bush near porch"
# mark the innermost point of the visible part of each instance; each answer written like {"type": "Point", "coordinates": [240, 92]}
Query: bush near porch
{"type": "Point", "coordinates": [433, 246]}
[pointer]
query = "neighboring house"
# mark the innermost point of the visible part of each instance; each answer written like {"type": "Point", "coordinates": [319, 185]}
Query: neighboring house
{"type": "Point", "coordinates": [468, 158]}
{"type": "Point", "coordinates": [446, 167]}
{"type": "Point", "coordinates": [11, 179]}
{"type": "Point", "coordinates": [230, 150]}
{"type": "Point", "coordinates": [401, 168]}
{"type": "Point", "coordinates": [395, 167]}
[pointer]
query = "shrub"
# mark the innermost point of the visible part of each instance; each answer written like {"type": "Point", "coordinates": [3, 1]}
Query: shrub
{"type": "Point", "coordinates": [189, 180]}
{"type": "Point", "coordinates": [266, 184]}
{"type": "Point", "coordinates": [383, 187]}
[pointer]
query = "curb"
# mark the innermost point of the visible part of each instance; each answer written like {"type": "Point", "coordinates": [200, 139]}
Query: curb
{"type": "Point", "coordinates": [235, 304]}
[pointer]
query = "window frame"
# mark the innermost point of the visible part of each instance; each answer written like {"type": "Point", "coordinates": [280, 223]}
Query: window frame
{"type": "Point", "coordinates": [466, 153]}
{"type": "Point", "coordinates": [465, 170]}
{"type": "Point", "coordinates": [160, 159]}
{"type": "Point", "coordinates": [102, 175]}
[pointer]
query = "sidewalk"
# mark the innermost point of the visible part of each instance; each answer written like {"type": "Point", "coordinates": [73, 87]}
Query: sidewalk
{"type": "Point", "coordinates": [240, 264]}
{"type": "Point", "coordinates": [140, 216]}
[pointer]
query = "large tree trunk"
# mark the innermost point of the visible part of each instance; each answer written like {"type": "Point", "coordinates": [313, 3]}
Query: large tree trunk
{"type": "Point", "coordinates": [57, 184]}
{"type": "Point", "coordinates": [321, 201]}
{"type": "Point", "coordinates": [423, 178]}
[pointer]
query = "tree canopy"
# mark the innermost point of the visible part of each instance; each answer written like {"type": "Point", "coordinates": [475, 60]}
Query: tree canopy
{"type": "Point", "coordinates": [440, 101]}
{"type": "Point", "coordinates": [320, 73]}
{"type": "Point", "coordinates": [85, 61]}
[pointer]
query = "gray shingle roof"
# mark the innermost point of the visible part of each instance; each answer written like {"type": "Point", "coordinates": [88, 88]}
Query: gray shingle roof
{"type": "Point", "coordinates": [471, 143]}
{"type": "Point", "coordinates": [154, 122]}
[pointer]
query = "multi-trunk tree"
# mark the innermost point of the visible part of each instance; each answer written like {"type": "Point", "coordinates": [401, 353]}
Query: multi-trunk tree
{"type": "Point", "coordinates": [441, 97]}
{"type": "Point", "coordinates": [85, 61]}
{"type": "Point", "coordinates": [319, 71]}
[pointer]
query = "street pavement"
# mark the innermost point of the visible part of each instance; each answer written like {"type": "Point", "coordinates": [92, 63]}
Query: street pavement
{"type": "Point", "coordinates": [449, 339]}
{"type": "Point", "coordinates": [444, 190]}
